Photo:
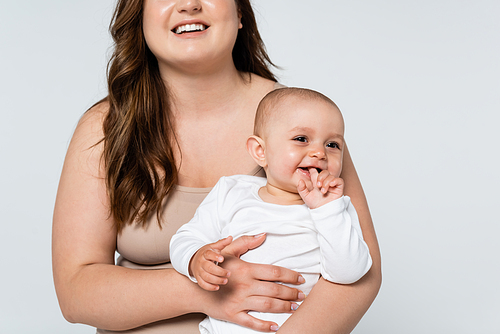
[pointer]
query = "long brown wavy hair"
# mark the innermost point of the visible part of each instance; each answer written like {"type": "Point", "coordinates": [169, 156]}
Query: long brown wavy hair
{"type": "Point", "coordinates": [138, 131]}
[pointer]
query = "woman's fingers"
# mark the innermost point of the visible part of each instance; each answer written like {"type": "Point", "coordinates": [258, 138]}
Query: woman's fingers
{"type": "Point", "coordinates": [279, 291]}
{"type": "Point", "coordinates": [270, 305]}
{"type": "Point", "coordinates": [267, 272]}
{"type": "Point", "coordinates": [243, 244]}
{"type": "Point", "coordinates": [222, 243]}
{"type": "Point", "coordinates": [246, 320]}
{"type": "Point", "coordinates": [252, 287]}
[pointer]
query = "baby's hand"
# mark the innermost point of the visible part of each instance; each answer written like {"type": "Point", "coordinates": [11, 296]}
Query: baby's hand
{"type": "Point", "coordinates": [204, 268]}
{"type": "Point", "coordinates": [323, 188]}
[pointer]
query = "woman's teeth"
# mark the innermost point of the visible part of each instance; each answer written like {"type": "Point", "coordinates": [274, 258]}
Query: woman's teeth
{"type": "Point", "coordinates": [189, 28]}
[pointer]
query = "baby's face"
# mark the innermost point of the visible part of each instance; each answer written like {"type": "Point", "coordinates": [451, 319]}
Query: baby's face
{"type": "Point", "coordinates": [307, 134]}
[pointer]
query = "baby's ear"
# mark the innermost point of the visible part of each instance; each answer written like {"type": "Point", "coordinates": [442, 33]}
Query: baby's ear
{"type": "Point", "coordinates": [257, 149]}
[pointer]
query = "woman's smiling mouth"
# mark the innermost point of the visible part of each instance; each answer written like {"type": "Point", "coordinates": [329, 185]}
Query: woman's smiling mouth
{"type": "Point", "coordinates": [186, 28]}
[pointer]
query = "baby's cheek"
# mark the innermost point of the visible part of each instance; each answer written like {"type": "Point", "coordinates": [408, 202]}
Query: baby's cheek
{"type": "Point", "coordinates": [335, 168]}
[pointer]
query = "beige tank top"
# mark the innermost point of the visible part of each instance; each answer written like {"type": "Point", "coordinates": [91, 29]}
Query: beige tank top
{"type": "Point", "coordinates": [148, 248]}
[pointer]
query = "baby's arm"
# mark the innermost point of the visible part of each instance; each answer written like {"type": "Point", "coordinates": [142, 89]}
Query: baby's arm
{"type": "Point", "coordinates": [345, 257]}
{"type": "Point", "coordinates": [204, 265]}
{"type": "Point", "coordinates": [190, 247]}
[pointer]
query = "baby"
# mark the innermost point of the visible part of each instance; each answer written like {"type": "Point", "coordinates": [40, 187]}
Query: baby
{"type": "Point", "coordinates": [311, 226]}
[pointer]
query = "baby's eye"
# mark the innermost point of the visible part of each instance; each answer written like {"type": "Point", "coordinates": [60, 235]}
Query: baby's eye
{"type": "Point", "coordinates": [332, 145]}
{"type": "Point", "coordinates": [301, 139]}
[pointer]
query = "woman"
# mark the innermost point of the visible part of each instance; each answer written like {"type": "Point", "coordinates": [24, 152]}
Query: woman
{"type": "Point", "coordinates": [184, 83]}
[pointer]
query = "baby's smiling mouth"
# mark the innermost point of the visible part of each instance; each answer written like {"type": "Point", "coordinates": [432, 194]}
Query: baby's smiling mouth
{"type": "Point", "coordinates": [306, 169]}
{"type": "Point", "coordinates": [189, 28]}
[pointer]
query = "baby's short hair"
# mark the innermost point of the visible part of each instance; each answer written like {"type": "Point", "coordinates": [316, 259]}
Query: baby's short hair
{"type": "Point", "coordinates": [267, 106]}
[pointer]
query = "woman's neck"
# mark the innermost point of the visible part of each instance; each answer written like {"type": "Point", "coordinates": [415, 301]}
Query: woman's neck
{"type": "Point", "coordinates": [210, 91]}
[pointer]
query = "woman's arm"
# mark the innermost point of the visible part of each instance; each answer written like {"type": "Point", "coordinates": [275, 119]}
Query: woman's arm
{"type": "Point", "coordinates": [335, 308]}
{"type": "Point", "coordinates": [91, 289]}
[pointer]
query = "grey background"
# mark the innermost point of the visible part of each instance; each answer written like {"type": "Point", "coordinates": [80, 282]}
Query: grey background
{"type": "Point", "coordinates": [418, 83]}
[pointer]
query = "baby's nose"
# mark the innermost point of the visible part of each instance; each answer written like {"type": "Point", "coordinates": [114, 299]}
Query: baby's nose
{"type": "Point", "coordinates": [317, 152]}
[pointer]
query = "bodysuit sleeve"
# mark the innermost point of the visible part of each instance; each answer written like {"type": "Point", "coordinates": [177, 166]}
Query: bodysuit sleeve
{"type": "Point", "coordinates": [345, 256]}
{"type": "Point", "coordinates": [202, 229]}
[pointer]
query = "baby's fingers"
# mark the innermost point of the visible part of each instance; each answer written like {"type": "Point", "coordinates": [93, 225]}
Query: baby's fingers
{"type": "Point", "coordinates": [301, 186]}
{"type": "Point", "coordinates": [323, 178]}
{"type": "Point", "coordinates": [304, 188]}
{"type": "Point", "coordinates": [326, 183]}
{"type": "Point", "coordinates": [212, 281]}
{"type": "Point", "coordinates": [213, 255]}
{"type": "Point", "coordinates": [215, 270]}
{"type": "Point", "coordinates": [314, 175]}
{"type": "Point", "coordinates": [335, 183]}
{"type": "Point", "coordinates": [207, 286]}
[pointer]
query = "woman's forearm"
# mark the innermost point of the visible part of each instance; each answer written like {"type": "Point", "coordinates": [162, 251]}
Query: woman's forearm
{"type": "Point", "coordinates": [335, 308]}
{"type": "Point", "coordinates": [116, 298]}
{"type": "Point", "coordinates": [90, 288]}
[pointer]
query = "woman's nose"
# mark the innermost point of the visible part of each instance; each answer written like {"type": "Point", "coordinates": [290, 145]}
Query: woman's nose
{"type": "Point", "coordinates": [189, 6]}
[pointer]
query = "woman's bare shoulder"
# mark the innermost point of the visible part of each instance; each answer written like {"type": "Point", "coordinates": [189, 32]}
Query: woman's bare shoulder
{"type": "Point", "coordinates": [259, 87]}
{"type": "Point", "coordinates": [95, 115]}
{"type": "Point", "coordinates": [86, 143]}
{"type": "Point", "coordinates": [89, 127]}
{"type": "Point", "coordinates": [260, 83]}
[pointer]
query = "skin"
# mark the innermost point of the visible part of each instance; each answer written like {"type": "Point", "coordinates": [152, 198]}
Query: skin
{"type": "Point", "coordinates": [336, 308]}
{"type": "Point", "coordinates": [309, 134]}
{"type": "Point", "coordinates": [178, 53]}
{"type": "Point", "coordinates": [212, 94]}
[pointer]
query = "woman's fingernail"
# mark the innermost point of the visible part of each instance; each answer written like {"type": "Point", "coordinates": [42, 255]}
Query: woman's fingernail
{"type": "Point", "coordinates": [295, 307]}
{"type": "Point", "coordinates": [259, 235]}
{"type": "Point", "coordinates": [301, 295]}
{"type": "Point", "coordinates": [274, 328]}
{"type": "Point", "coordinates": [301, 279]}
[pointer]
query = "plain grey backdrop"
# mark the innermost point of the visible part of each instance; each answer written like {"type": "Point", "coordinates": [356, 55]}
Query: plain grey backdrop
{"type": "Point", "coordinates": [418, 83]}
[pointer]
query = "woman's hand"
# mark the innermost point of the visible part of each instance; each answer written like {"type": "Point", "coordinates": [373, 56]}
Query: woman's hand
{"type": "Point", "coordinates": [252, 287]}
